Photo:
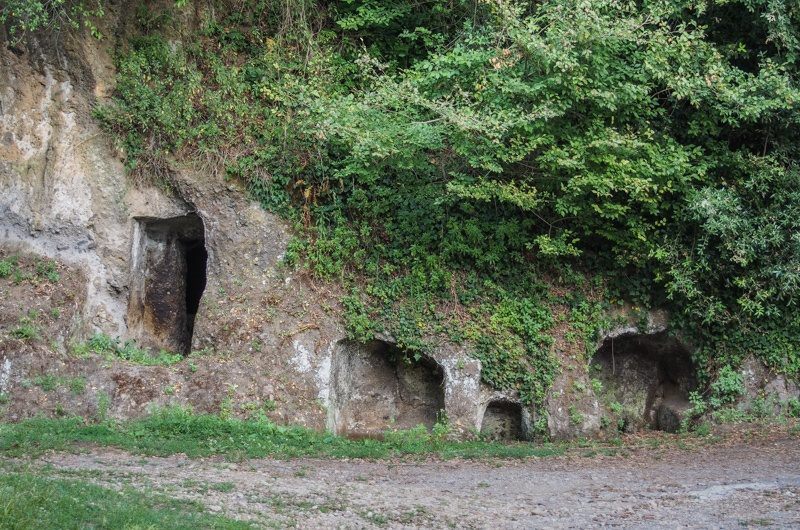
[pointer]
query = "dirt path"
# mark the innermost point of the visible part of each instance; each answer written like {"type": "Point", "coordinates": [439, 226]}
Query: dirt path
{"type": "Point", "coordinates": [733, 484]}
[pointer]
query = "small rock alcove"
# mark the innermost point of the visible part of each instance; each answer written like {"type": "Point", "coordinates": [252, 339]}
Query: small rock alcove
{"type": "Point", "coordinates": [649, 376]}
{"type": "Point", "coordinates": [503, 421]}
{"type": "Point", "coordinates": [169, 261]}
{"type": "Point", "coordinates": [375, 389]}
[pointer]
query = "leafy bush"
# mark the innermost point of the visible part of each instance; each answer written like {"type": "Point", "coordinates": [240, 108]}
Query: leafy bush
{"type": "Point", "coordinates": [728, 386]}
{"type": "Point", "coordinates": [793, 408]}
{"type": "Point", "coordinates": [24, 16]}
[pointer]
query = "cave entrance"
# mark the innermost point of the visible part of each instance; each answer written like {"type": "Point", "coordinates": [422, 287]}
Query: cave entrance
{"type": "Point", "coordinates": [648, 377]}
{"type": "Point", "coordinates": [502, 421]}
{"type": "Point", "coordinates": [374, 388]}
{"type": "Point", "coordinates": [169, 262]}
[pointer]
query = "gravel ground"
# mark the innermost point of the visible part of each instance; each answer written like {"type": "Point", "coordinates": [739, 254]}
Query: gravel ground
{"type": "Point", "coordinates": [741, 481]}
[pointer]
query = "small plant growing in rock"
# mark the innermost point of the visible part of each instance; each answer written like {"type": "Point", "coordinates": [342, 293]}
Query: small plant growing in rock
{"type": "Point", "coordinates": [201, 352]}
{"type": "Point", "coordinates": [27, 329]}
{"type": "Point", "coordinates": [699, 407]}
{"type": "Point", "coordinates": [793, 408]}
{"type": "Point", "coordinates": [763, 407]}
{"type": "Point", "coordinates": [704, 429]}
{"type": "Point", "coordinates": [50, 382]}
{"type": "Point", "coordinates": [575, 416]}
{"type": "Point", "coordinates": [112, 349]}
{"type": "Point", "coordinates": [19, 276]}
{"type": "Point", "coordinates": [440, 429]}
{"type": "Point", "coordinates": [730, 415]}
{"type": "Point", "coordinates": [224, 487]}
{"type": "Point", "coordinates": [226, 408]}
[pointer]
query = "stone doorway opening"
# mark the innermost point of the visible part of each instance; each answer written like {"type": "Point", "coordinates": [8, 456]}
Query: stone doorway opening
{"type": "Point", "coordinates": [648, 377]}
{"type": "Point", "coordinates": [375, 388]}
{"type": "Point", "coordinates": [169, 262]}
{"type": "Point", "coordinates": [503, 421]}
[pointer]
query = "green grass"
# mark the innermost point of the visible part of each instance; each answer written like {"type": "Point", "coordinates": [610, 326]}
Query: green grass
{"type": "Point", "coordinates": [10, 267]}
{"type": "Point", "coordinates": [25, 331]}
{"type": "Point", "coordinates": [176, 430]}
{"type": "Point", "coordinates": [113, 349]}
{"type": "Point", "coordinates": [28, 501]}
{"type": "Point", "coordinates": [50, 382]}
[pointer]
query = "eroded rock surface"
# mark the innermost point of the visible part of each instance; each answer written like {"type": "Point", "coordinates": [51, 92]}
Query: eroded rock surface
{"type": "Point", "coordinates": [646, 379]}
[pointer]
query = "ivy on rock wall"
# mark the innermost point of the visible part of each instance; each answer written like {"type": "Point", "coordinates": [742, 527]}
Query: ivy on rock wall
{"type": "Point", "coordinates": [460, 165]}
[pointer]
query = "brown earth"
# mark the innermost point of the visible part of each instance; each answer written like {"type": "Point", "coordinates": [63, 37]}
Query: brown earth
{"type": "Point", "coordinates": [748, 480]}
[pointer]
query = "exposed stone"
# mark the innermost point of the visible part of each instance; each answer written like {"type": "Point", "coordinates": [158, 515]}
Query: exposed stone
{"type": "Point", "coordinates": [168, 278]}
{"type": "Point", "coordinates": [502, 420]}
{"type": "Point", "coordinates": [648, 376]}
{"type": "Point", "coordinates": [765, 387]}
{"type": "Point", "coordinates": [375, 388]}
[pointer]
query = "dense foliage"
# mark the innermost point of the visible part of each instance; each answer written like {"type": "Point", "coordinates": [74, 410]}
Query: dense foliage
{"type": "Point", "coordinates": [461, 164]}
{"type": "Point", "coordinates": [21, 16]}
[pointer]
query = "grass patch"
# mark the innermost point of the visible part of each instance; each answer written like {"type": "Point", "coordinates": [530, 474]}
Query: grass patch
{"type": "Point", "coordinates": [25, 331]}
{"type": "Point", "coordinates": [50, 382]}
{"type": "Point", "coordinates": [10, 267]}
{"type": "Point", "coordinates": [224, 487]}
{"type": "Point", "coordinates": [177, 430]}
{"type": "Point", "coordinates": [28, 501]}
{"type": "Point", "coordinates": [113, 350]}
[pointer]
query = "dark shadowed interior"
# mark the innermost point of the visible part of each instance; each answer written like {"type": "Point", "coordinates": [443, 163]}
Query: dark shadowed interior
{"type": "Point", "coordinates": [169, 277]}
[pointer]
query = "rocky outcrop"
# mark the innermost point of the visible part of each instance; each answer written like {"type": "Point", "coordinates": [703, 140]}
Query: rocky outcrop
{"type": "Point", "coordinates": [766, 392]}
{"type": "Point", "coordinates": [192, 265]}
{"type": "Point", "coordinates": [268, 338]}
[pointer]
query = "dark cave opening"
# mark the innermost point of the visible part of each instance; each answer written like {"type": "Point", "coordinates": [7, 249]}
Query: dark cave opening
{"type": "Point", "coordinates": [196, 263]}
{"type": "Point", "coordinates": [169, 264]}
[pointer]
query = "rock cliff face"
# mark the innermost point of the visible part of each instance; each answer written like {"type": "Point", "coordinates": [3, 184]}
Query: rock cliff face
{"type": "Point", "coordinates": [190, 267]}
{"type": "Point", "coordinates": [195, 267]}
